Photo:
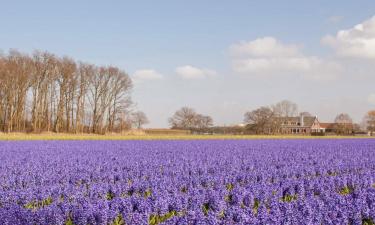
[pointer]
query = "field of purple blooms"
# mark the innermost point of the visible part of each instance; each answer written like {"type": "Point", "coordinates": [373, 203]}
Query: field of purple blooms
{"type": "Point", "coordinates": [188, 182]}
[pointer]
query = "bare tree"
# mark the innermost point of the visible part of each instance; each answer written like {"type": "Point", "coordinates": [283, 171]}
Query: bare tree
{"type": "Point", "coordinates": [202, 121]}
{"type": "Point", "coordinates": [261, 120]}
{"type": "Point", "coordinates": [285, 108]}
{"type": "Point", "coordinates": [14, 74]}
{"type": "Point", "coordinates": [183, 118]}
{"type": "Point", "coordinates": [43, 86]}
{"type": "Point", "coordinates": [343, 124]}
{"type": "Point", "coordinates": [119, 97]}
{"type": "Point", "coordinates": [66, 83]}
{"type": "Point", "coordinates": [370, 121]}
{"type": "Point", "coordinates": [83, 74]}
{"type": "Point", "coordinates": [2, 93]}
{"type": "Point", "coordinates": [187, 118]}
{"type": "Point", "coordinates": [139, 118]}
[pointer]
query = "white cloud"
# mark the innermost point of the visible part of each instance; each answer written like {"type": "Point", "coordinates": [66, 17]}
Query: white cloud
{"type": "Point", "coordinates": [191, 72]}
{"type": "Point", "coordinates": [272, 64]}
{"type": "Point", "coordinates": [357, 42]}
{"type": "Point", "coordinates": [371, 99]}
{"type": "Point", "coordinates": [264, 47]}
{"type": "Point", "coordinates": [146, 75]}
{"type": "Point", "coordinates": [270, 56]}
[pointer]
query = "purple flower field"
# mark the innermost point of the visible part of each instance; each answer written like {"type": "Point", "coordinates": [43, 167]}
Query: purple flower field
{"type": "Point", "coordinates": [188, 182]}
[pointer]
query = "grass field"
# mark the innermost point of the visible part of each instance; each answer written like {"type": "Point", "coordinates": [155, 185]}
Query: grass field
{"type": "Point", "coordinates": [52, 136]}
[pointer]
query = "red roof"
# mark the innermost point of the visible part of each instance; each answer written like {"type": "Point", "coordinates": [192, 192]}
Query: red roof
{"type": "Point", "coordinates": [326, 125]}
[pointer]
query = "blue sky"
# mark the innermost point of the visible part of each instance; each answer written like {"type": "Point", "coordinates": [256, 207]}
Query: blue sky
{"type": "Point", "coordinates": [221, 58]}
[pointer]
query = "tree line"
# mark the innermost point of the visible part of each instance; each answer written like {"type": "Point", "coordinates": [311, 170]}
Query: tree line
{"type": "Point", "coordinates": [43, 92]}
{"type": "Point", "coordinates": [266, 120]}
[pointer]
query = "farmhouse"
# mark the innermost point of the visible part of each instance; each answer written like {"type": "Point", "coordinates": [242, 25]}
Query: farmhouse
{"type": "Point", "coordinates": [300, 125]}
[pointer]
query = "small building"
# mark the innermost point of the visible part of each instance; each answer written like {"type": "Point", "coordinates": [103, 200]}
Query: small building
{"type": "Point", "coordinates": [328, 127]}
{"type": "Point", "coordinates": [304, 125]}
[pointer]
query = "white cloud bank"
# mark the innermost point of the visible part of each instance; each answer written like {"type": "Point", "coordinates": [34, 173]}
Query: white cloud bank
{"type": "Point", "coordinates": [146, 75]}
{"type": "Point", "coordinates": [357, 42]}
{"type": "Point", "coordinates": [270, 56]}
{"type": "Point", "coordinates": [191, 72]}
